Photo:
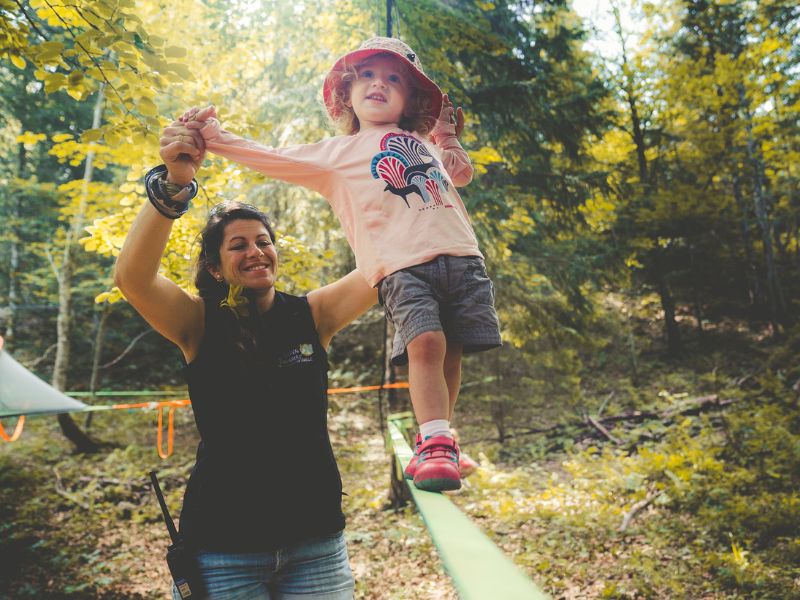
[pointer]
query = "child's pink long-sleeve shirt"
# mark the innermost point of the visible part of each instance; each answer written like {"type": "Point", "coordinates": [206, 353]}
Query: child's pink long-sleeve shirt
{"type": "Point", "coordinates": [393, 192]}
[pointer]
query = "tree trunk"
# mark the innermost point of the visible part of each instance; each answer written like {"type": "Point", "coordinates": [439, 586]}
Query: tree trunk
{"type": "Point", "coordinates": [754, 287]}
{"type": "Point", "coordinates": [497, 410]}
{"type": "Point", "coordinates": [71, 431]}
{"type": "Point", "coordinates": [777, 306]}
{"type": "Point", "coordinates": [99, 338]}
{"type": "Point", "coordinates": [629, 88]}
{"type": "Point", "coordinates": [638, 137]}
{"type": "Point", "coordinates": [13, 267]}
{"type": "Point", "coordinates": [98, 350]}
{"type": "Point", "coordinates": [629, 317]}
{"type": "Point", "coordinates": [698, 308]}
{"type": "Point", "coordinates": [668, 305]}
{"type": "Point", "coordinates": [397, 402]}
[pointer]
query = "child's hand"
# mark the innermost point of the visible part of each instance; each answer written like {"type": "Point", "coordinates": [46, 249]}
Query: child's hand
{"type": "Point", "coordinates": [449, 114]}
{"type": "Point", "coordinates": [204, 121]}
{"type": "Point", "coordinates": [196, 117]}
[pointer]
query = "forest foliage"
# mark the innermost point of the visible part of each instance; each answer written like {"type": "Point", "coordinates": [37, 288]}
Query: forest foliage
{"type": "Point", "coordinates": [639, 213]}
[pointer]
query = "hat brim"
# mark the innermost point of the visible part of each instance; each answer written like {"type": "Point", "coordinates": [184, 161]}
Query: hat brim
{"type": "Point", "coordinates": [334, 79]}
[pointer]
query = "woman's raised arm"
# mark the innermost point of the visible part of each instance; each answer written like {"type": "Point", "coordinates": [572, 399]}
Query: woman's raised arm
{"type": "Point", "coordinates": [337, 304]}
{"type": "Point", "coordinates": [171, 311]}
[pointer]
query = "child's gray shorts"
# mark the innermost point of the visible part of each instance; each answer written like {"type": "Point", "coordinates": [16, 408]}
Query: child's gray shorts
{"type": "Point", "coordinates": [452, 294]}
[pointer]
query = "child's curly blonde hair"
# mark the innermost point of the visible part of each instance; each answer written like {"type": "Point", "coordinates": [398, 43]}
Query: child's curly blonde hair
{"type": "Point", "coordinates": [416, 112]}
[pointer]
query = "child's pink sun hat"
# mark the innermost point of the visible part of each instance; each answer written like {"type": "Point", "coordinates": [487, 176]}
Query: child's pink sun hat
{"type": "Point", "coordinates": [381, 45]}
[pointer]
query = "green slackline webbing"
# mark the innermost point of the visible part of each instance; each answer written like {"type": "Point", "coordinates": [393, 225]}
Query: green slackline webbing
{"type": "Point", "coordinates": [478, 568]}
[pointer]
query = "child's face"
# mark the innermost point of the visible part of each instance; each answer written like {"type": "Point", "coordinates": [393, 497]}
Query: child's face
{"type": "Point", "coordinates": [379, 93]}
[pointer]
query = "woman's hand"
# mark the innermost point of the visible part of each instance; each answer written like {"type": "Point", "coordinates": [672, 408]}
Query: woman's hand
{"type": "Point", "coordinates": [183, 151]}
{"type": "Point", "coordinates": [449, 114]}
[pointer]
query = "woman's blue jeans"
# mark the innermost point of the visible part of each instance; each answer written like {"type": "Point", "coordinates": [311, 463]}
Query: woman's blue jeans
{"type": "Point", "coordinates": [316, 569]}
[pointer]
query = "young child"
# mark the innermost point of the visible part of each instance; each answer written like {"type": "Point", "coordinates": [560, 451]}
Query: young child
{"type": "Point", "coordinates": [391, 181]}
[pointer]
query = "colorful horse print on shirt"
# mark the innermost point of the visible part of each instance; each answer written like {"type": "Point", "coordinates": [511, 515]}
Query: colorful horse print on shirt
{"type": "Point", "coordinates": [408, 167]}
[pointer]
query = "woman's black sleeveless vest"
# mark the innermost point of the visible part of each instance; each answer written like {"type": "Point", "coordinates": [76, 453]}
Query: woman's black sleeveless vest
{"type": "Point", "coordinates": [265, 475]}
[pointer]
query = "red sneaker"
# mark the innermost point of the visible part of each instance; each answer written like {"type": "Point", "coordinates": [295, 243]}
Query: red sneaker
{"type": "Point", "coordinates": [437, 466]}
{"type": "Point", "coordinates": [466, 465]}
{"type": "Point", "coordinates": [411, 467]}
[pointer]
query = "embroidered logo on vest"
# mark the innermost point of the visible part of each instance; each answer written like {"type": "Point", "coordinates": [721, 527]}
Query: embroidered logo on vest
{"type": "Point", "coordinates": [408, 167]}
{"type": "Point", "coordinates": [304, 353]}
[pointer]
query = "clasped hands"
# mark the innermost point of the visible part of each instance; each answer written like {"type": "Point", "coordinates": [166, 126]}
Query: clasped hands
{"type": "Point", "coordinates": [182, 145]}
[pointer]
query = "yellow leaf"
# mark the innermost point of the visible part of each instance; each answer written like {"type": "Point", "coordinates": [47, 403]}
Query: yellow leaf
{"type": "Point", "coordinates": [112, 139]}
{"type": "Point", "coordinates": [104, 10]}
{"type": "Point", "coordinates": [131, 77]}
{"type": "Point", "coordinates": [147, 107]}
{"type": "Point", "coordinates": [181, 70]}
{"type": "Point", "coordinates": [56, 47]}
{"type": "Point", "coordinates": [93, 19]}
{"type": "Point", "coordinates": [54, 82]}
{"type": "Point", "coordinates": [30, 138]}
{"type": "Point", "coordinates": [91, 135]}
{"type": "Point", "coordinates": [18, 61]}
{"type": "Point", "coordinates": [174, 52]}
{"type": "Point", "coordinates": [770, 45]}
{"type": "Point", "coordinates": [75, 78]}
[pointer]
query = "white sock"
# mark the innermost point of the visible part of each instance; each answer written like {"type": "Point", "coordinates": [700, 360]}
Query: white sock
{"type": "Point", "coordinates": [435, 428]}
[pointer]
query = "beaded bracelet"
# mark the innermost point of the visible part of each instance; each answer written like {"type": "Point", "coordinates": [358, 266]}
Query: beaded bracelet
{"type": "Point", "coordinates": [158, 189]}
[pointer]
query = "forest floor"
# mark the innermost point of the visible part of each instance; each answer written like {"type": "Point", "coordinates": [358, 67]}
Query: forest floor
{"type": "Point", "coordinates": [78, 526]}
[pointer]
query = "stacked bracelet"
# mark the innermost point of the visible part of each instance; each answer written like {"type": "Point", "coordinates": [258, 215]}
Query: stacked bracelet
{"type": "Point", "coordinates": [170, 199]}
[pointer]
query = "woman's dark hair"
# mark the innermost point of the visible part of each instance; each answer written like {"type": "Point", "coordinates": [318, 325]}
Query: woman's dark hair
{"type": "Point", "coordinates": [214, 292]}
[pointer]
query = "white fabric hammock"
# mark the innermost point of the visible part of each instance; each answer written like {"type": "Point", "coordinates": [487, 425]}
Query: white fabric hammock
{"type": "Point", "coordinates": [23, 393]}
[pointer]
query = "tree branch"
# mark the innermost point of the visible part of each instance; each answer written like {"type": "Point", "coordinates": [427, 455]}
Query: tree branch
{"type": "Point", "coordinates": [126, 351]}
{"type": "Point", "coordinates": [637, 508]}
{"type": "Point", "coordinates": [52, 262]}
{"type": "Point", "coordinates": [36, 362]}
{"type": "Point", "coordinates": [698, 405]}
{"type": "Point", "coordinates": [31, 22]}
{"type": "Point", "coordinates": [89, 54]}
{"type": "Point", "coordinates": [63, 492]}
{"type": "Point", "coordinates": [594, 423]}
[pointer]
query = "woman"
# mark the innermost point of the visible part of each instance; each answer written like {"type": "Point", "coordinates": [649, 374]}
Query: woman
{"type": "Point", "coordinates": [262, 508]}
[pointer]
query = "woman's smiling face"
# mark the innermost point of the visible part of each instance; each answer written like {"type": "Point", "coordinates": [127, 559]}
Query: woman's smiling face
{"type": "Point", "coordinates": [247, 255]}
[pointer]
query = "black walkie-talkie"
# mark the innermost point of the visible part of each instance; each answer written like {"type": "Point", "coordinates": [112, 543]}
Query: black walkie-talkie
{"type": "Point", "coordinates": [181, 562]}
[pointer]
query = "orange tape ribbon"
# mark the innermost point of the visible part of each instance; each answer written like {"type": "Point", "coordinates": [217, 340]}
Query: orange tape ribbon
{"type": "Point", "coordinates": [17, 430]}
{"type": "Point", "coordinates": [173, 404]}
